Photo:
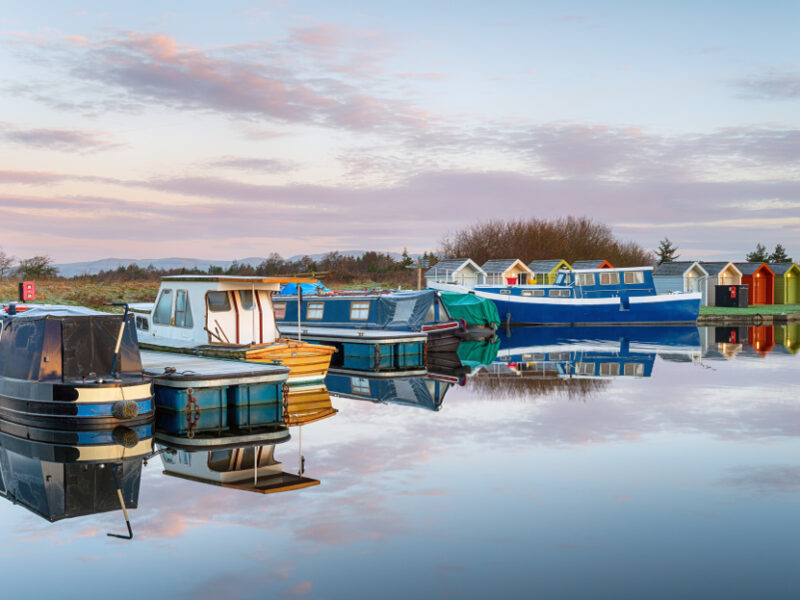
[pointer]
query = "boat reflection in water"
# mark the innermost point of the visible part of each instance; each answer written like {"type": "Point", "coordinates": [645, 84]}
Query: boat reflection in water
{"type": "Point", "coordinates": [59, 474]}
{"type": "Point", "coordinates": [422, 391]}
{"type": "Point", "coordinates": [250, 468]}
{"type": "Point", "coordinates": [579, 360]}
{"type": "Point", "coordinates": [243, 457]}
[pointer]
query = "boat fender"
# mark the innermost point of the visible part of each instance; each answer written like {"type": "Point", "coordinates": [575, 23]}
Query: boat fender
{"type": "Point", "coordinates": [125, 409]}
{"type": "Point", "coordinates": [125, 437]}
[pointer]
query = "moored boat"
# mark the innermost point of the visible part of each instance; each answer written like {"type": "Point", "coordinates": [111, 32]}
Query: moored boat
{"type": "Point", "coordinates": [226, 317]}
{"type": "Point", "coordinates": [588, 297]}
{"type": "Point", "coordinates": [71, 367]}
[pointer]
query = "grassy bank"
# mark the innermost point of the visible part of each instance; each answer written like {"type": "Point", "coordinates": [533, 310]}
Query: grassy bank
{"type": "Point", "coordinates": [757, 309]}
{"type": "Point", "coordinates": [85, 293]}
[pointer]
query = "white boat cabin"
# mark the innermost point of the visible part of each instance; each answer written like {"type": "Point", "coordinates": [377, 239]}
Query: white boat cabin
{"type": "Point", "coordinates": [196, 310]}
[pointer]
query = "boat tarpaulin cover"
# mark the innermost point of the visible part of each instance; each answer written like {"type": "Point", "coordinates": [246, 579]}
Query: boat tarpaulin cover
{"type": "Point", "coordinates": [404, 310]}
{"type": "Point", "coordinates": [87, 343]}
{"type": "Point", "coordinates": [475, 353]}
{"type": "Point", "coordinates": [290, 289]}
{"type": "Point", "coordinates": [471, 308]}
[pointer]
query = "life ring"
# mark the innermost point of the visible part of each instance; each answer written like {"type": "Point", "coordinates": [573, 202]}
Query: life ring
{"type": "Point", "coordinates": [758, 320]}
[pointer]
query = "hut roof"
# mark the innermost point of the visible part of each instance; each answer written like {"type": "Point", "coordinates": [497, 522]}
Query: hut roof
{"type": "Point", "coordinates": [678, 267]}
{"type": "Point", "coordinates": [500, 265]}
{"type": "Point", "coordinates": [451, 264]}
{"type": "Point", "coordinates": [748, 268]}
{"type": "Point", "coordinates": [716, 267]}
{"type": "Point", "coordinates": [590, 264]}
{"type": "Point", "coordinates": [781, 268]}
{"type": "Point", "coordinates": [545, 266]}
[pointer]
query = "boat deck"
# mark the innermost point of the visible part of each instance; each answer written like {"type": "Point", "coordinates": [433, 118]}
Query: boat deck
{"type": "Point", "coordinates": [171, 369]}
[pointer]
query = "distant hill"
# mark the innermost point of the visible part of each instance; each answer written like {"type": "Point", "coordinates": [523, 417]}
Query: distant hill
{"type": "Point", "coordinates": [109, 264]}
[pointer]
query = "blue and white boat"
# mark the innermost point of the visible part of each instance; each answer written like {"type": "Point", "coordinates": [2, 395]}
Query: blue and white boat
{"type": "Point", "coordinates": [588, 297]}
{"type": "Point", "coordinates": [372, 331]}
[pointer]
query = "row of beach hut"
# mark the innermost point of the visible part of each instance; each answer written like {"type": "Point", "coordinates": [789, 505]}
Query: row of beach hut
{"type": "Point", "coordinates": [774, 283]}
{"type": "Point", "coordinates": [767, 283]}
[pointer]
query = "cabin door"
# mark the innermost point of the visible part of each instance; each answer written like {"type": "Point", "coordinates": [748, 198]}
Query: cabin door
{"type": "Point", "coordinates": [249, 321]}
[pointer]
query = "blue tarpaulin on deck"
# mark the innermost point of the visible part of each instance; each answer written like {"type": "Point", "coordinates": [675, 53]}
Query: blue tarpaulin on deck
{"type": "Point", "coordinates": [290, 289]}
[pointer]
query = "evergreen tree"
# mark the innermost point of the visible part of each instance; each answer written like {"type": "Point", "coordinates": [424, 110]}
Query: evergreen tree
{"type": "Point", "coordinates": [779, 255]}
{"type": "Point", "coordinates": [666, 251]}
{"type": "Point", "coordinates": [407, 260]}
{"type": "Point", "coordinates": [758, 255]}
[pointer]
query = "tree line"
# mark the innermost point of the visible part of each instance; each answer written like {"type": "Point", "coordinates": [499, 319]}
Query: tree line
{"type": "Point", "coordinates": [666, 253]}
{"type": "Point", "coordinates": [568, 238]}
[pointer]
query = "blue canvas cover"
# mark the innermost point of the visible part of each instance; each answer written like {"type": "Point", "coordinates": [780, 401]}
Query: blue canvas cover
{"type": "Point", "coordinates": [404, 310]}
{"type": "Point", "coordinates": [290, 289]}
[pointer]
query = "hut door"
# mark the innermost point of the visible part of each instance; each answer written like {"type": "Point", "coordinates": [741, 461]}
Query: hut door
{"type": "Point", "coordinates": [792, 284]}
{"type": "Point", "coordinates": [760, 291]}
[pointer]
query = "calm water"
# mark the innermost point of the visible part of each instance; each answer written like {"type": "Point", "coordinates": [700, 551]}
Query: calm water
{"type": "Point", "coordinates": [533, 479]}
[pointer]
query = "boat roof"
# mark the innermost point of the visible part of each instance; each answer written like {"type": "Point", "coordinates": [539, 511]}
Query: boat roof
{"type": "Point", "coordinates": [55, 310]}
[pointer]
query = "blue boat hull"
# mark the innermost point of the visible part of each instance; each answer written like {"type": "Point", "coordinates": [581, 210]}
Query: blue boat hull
{"type": "Point", "coordinates": [673, 308]}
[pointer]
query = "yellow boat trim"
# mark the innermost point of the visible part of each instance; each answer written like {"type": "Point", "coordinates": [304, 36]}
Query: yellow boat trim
{"type": "Point", "coordinates": [143, 391]}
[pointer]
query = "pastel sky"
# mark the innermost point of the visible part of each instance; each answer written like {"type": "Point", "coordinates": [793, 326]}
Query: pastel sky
{"type": "Point", "coordinates": [236, 129]}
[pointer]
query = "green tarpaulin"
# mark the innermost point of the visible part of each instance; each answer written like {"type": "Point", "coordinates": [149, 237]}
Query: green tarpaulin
{"type": "Point", "coordinates": [475, 353]}
{"type": "Point", "coordinates": [474, 310]}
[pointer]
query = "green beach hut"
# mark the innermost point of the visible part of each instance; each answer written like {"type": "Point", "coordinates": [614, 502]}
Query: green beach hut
{"type": "Point", "coordinates": [787, 282]}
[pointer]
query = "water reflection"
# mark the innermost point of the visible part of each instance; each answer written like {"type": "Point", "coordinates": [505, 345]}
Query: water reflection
{"type": "Point", "coordinates": [248, 468]}
{"type": "Point", "coordinates": [66, 474]}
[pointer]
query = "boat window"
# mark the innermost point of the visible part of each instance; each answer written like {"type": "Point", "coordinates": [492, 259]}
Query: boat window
{"type": "Point", "coordinates": [584, 278]}
{"type": "Point", "coordinates": [559, 356]}
{"type": "Point", "coordinates": [634, 369]}
{"type": "Point", "coordinates": [279, 308]}
{"type": "Point", "coordinates": [535, 293]}
{"type": "Point", "coordinates": [609, 368]}
{"type": "Point", "coordinates": [634, 277]}
{"type": "Point", "coordinates": [559, 293]}
{"type": "Point", "coordinates": [505, 291]}
{"type": "Point", "coordinates": [218, 301]}
{"type": "Point", "coordinates": [584, 368]}
{"type": "Point", "coordinates": [1, 330]}
{"type": "Point", "coordinates": [315, 310]}
{"type": "Point", "coordinates": [359, 311]}
{"type": "Point", "coordinates": [183, 314]}
{"type": "Point", "coordinates": [359, 385]}
{"type": "Point", "coordinates": [141, 323]}
{"type": "Point", "coordinates": [163, 308]}
{"type": "Point", "coordinates": [534, 356]}
{"type": "Point", "coordinates": [609, 278]}
{"type": "Point", "coordinates": [246, 298]}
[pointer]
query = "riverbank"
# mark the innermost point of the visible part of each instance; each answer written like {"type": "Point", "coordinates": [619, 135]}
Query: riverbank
{"type": "Point", "coordinates": [759, 314]}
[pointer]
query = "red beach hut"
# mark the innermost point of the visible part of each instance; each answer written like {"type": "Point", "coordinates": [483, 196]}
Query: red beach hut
{"type": "Point", "coordinates": [760, 280]}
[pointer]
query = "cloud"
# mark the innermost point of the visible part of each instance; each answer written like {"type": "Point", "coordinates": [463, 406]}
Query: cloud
{"type": "Point", "coordinates": [773, 86]}
{"type": "Point", "coordinates": [766, 478]}
{"type": "Point", "coordinates": [260, 165]}
{"type": "Point", "coordinates": [320, 75]}
{"type": "Point", "coordinates": [62, 140]}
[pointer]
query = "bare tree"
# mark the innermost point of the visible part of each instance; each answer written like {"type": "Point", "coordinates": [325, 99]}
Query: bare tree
{"type": "Point", "coordinates": [6, 262]}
